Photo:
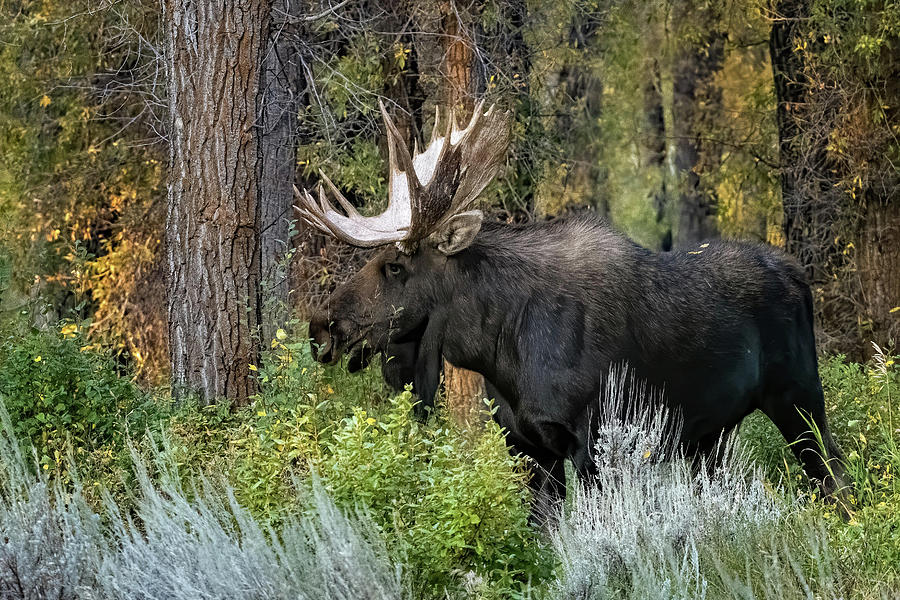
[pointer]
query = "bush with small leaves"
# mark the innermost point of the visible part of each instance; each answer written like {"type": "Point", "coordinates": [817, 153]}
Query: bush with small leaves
{"type": "Point", "coordinates": [59, 389]}
{"type": "Point", "coordinates": [452, 503]}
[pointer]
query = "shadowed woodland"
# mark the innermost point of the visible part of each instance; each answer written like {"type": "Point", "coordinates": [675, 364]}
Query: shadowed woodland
{"type": "Point", "coordinates": [156, 381]}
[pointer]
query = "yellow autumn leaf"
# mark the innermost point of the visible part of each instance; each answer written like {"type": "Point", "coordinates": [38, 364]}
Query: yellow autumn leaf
{"type": "Point", "coordinates": [45, 101]}
{"type": "Point", "coordinates": [280, 334]}
{"type": "Point", "coordinates": [895, 309]}
{"type": "Point", "coordinates": [252, 367]}
{"type": "Point", "coordinates": [38, 358]}
{"type": "Point", "coordinates": [69, 330]}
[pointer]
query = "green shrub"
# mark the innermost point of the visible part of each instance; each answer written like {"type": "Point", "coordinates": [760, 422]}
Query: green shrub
{"type": "Point", "coordinates": [452, 503]}
{"type": "Point", "coordinates": [275, 439]}
{"type": "Point", "coordinates": [57, 389]}
{"type": "Point", "coordinates": [864, 403]}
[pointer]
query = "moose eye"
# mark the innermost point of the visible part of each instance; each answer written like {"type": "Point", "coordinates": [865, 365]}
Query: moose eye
{"type": "Point", "coordinates": [393, 269]}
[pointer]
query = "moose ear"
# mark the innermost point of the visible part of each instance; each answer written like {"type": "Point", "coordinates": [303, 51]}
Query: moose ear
{"type": "Point", "coordinates": [458, 232]}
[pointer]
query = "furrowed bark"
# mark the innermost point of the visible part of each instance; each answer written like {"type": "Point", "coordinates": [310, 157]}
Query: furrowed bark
{"type": "Point", "coordinates": [212, 230]}
{"type": "Point", "coordinates": [281, 85]}
{"type": "Point", "coordinates": [452, 55]}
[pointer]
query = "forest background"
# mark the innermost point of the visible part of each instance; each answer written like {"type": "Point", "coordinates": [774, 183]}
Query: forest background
{"type": "Point", "coordinates": [678, 121]}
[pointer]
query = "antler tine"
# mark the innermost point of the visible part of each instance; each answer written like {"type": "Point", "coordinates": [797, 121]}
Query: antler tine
{"type": "Point", "coordinates": [345, 204]}
{"type": "Point", "coordinates": [483, 145]}
{"type": "Point", "coordinates": [437, 120]}
{"type": "Point", "coordinates": [473, 121]}
{"type": "Point", "coordinates": [353, 230]}
{"type": "Point", "coordinates": [324, 205]}
{"type": "Point", "coordinates": [396, 146]}
{"type": "Point", "coordinates": [307, 203]}
{"type": "Point", "coordinates": [448, 141]}
{"type": "Point", "coordinates": [330, 225]}
{"type": "Point", "coordinates": [309, 211]}
{"type": "Point", "coordinates": [392, 155]}
{"type": "Point", "coordinates": [478, 113]}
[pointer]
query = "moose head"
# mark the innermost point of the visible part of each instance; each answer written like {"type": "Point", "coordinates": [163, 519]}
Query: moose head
{"type": "Point", "coordinates": [426, 222]}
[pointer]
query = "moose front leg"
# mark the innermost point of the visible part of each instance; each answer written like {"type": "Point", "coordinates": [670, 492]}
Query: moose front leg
{"type": "Point", "coordinates": [398, 367]}
{"type": "Point", "coordinates": [548, 479]}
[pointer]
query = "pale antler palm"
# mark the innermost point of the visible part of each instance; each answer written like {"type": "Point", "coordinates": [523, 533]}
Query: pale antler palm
{"type": "Point", "coordinates": [425, 189]}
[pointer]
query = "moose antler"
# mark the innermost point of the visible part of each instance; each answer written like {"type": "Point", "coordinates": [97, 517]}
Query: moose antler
{"type": "Point", "coordinates": [425, 189]}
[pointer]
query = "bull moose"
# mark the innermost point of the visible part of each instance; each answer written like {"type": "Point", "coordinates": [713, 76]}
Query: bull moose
{"type": "Point", "coordinates": [542, 310]}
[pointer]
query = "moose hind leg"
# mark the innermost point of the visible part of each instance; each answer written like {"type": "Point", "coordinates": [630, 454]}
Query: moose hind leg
{"type": "Point", "coordinates": [800, 417]}
{"type": "Point", "coordinates": [708, 453]}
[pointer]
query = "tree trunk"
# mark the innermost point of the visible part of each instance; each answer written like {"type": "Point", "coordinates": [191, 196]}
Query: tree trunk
{"type": "Point", "coordinates": [809, 194]}
{"type": "Point", "coordinates": [281, 82]}
{"type": "Point", "coordinates": [878, 265]}
{"type": "Point", "coordinates": [445, 61]}
{"type": "Point", "coordinates": [464, 389]}
{"type": "Point", "coordinates": [846, 241]}
{"type": "Point", "coordinates": [696, 100]}
{"type": "Point", "coordinates": [460, 59]}
{"type": "Point", "coordinates": [800, 186]}
{"type": "Point", "coordinates": [212, 230]}
{"type": "Point", "coordinates": [653, 140]}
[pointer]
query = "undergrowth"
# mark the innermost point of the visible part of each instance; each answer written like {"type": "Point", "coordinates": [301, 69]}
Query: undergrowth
{"type": "Point", "coordinates": [327, 482]}
{"type": "Point", "coordinates": [862, 407]}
